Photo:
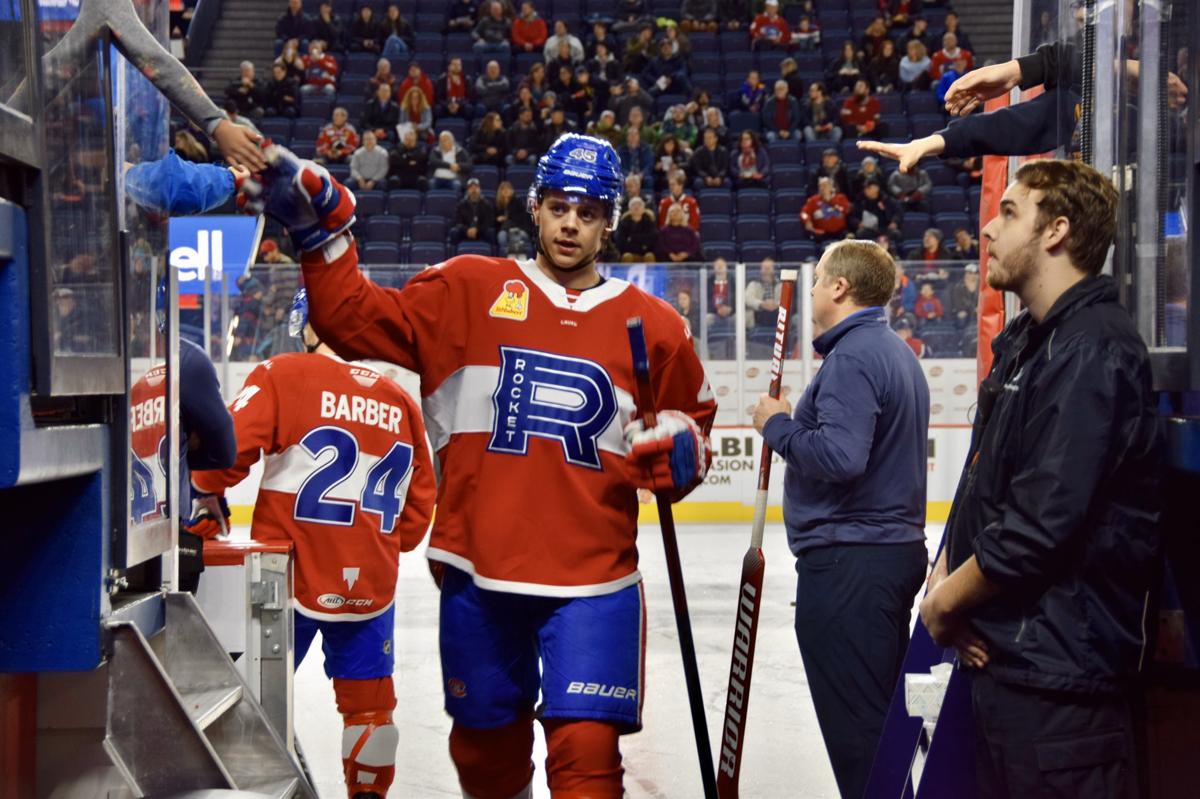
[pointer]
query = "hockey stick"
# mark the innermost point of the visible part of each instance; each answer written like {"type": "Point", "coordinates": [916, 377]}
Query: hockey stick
{"type": "Point", "coordinates": [737, 701]}
{"type": "Point", "coordinates": [683, 621]}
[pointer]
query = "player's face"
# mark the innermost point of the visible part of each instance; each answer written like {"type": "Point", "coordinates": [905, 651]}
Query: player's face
{"type": "Point", "coordinates": [1013, 243]}
{"type": "Point", "coordinates": [572, 229]}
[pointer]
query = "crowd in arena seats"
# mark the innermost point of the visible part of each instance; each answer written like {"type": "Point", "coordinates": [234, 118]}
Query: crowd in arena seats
{"type": "Point", "coordinates": [735, 121]}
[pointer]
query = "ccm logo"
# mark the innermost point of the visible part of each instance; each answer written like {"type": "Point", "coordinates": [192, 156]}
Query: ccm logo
{"type": "Point", "coordinates": [335, 601]}
{"type": "Point", "coordinates": [596, 689]}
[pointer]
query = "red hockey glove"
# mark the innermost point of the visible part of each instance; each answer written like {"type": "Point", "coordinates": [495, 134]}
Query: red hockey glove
{"type": "Point", "coordinates": [210, 515]}
{"type": "Point", "coordinates": [306, 199]}
{"type": "Point", "coordinates": [671, 457]}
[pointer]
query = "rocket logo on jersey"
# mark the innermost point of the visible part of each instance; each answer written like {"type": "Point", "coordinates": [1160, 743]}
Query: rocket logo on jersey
{"type": "Point", "coordinates": [571, 400]}
{"type": "Point", "coordinates": [513, 302]}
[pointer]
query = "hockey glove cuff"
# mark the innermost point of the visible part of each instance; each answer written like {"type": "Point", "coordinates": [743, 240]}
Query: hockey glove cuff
{"type": "Point", "coordinates": [671, 457]}
{"type": "Point", "coordinates": [306, 199]}
{"type": "Point", "coordinates": [210, 515]}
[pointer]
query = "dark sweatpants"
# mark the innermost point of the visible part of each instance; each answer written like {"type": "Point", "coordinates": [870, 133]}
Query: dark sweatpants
{"type": "Point", "coordinates": [853, 604]}
{"type": "Point", "coordinates": [1039, 744]}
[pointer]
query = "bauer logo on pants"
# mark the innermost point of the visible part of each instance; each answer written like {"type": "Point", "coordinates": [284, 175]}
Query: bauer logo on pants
{"type": "Point", "coordinates": [513, 302]}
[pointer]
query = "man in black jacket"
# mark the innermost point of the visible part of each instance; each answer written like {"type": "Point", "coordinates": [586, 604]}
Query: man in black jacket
{"type": "Point", "coordinates": [1051, 542]}
{"type": "Point", "coordinates": [475, 219]}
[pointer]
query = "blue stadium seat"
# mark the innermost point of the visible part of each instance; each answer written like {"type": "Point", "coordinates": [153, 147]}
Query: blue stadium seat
{"type": "Point", "coordinates": [753, 201]}
{"type": "Point", "coordinates": [754, 227]}
{"type": "Point", "coordinates": [890, 103]}
{"type": "Point", "coordinates": [809, 62]}
{"type": "Point", "coordinates": [787, 176]}
{"type": "Point", "coordinates": [709, 61]}
{"type": "Point", "coordinates": [426, 228]}
{"type": "Point", "coordinates": [361, 64]}
{"type": "Point", "coordinates": [893, 124]}
{"type": "Point", "coordinates": [520, 176]}
{"type": "Point", "coordinates": [948, 222]}
{"type": "Point", "coordinates": [789, 229]}
{"type": "Point", "coordinates": [456, 126]}
{"type": "Point", "coordinates": [316, 107]}
{"type": "Point", "coordinates": [921, 103]}
{"type": "Point", "coordinates": [711, 82]}
{"type": "Point", "coordinates": [381, 252]}
{"type": "Point", "coordinates": [914, 225]}
{"type": "Point", "coordinates": [525, 61]}
{"type": "Point", "coordinates": [354, 106]}
{"type": "Point", "coordinates": [784, 151]}
{"type": "Point", "coordinates": [947, 199]}
{"type": "Point", "coordinates": [793, 252]}
{"type": "Point", "coordinates": [458, 44]}
{"type": "Point", "coordinates": [923, 125]}
{"type": "Point", "coordinates": [306, 129]}
{"type": "Point", "coordinates": [428, 21]}
{"type": "Point", "coordinates": [277, 129]}
{"type": "Point", "coordinates": [755, 251]}
{"type": "Point", "coordinates": [385, 228]}
{"type": "Point", "coordinates": [790, 201]}
{"type": "Point", "coordinates": [663, 103]}
{"type": "Point", "coordinates": [712, 201]}
{"type": "Point", "coordinates": [715, 227]}
{"type": "Point", "coordinates": [489, 177]}
{"type": "Point", "coordinates": [940, 174]}
{"type": "Point", "coordinates": [441, 202]}
{"type": "Point", "coordinates": [941, 341]}
{"type": "Point", "coordinates": [427, 252]}
{"type": "Point", "coordinates": [739, 63]}
{"type": "Point", "coordinates": [813, 151]}
{"type": "Point", "coordinates": [303, 149]}
{"type": "Point", "coordinates": [702, 43]}
{"type": "Point", "coordinates": [974, 196]}
{"type": "Point", "coordinates": [474, 248]}
{"type": "Point", "coordinates": [339, 171]}
{"type": "Point", "coordinates": [719, 249]}
{"type": "Point", "coordinates": [737, 121]}
{"type": "Point", "coordinates": [404, 202]}
{"type": "Point", "coordinates": [431, 63]}
{"type": "Point", "coordinates": [370, 203]}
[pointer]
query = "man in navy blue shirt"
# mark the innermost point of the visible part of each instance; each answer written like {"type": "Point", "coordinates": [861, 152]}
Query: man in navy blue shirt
{"type": "Point", "coordinates": [854, 502]}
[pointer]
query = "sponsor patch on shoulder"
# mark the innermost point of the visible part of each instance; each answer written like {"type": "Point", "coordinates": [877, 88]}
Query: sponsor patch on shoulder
{"type": "Point", "coordinates": [513, 302]}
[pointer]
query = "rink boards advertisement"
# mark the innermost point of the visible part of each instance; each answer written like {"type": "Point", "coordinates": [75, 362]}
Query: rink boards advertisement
{"type": "Point", "coordinates": [727, 493]}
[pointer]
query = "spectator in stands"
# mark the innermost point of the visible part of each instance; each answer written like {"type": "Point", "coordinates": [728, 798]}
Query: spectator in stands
{"type": "Point", "coordinates": [338, 140]}
{"type": "Point", "coordinates": [536, 81]}
{"type": "Point", "coordinates": [681, 45]}
{"type": "Point", "coordinates": [561, 33]}
{"type": "Point", "coordinates": [475, 218]}
{"type": "Point", "coordinates": [529, 31]}
{"type": "Point", "coordinates": [678, 196]}
{"type": "Point", "coordinates": [562, 76]}
{"type": "Point", "coordinates": [492, 32]}
{"type": "Point", "coordinates": [449, 164]}
{"type": "Point", "coordinates": [844, 70]}
{"type": "Point", "coordinates": [699, 15]}
{"type": "Point", "coordinates": [930, 252]}
{"type": "Point", "coordinates": [247, 91]}
{"type": "Point", "coordinates": [524, 100]}
{"type": "Point", "coordinates": [524, 139]}
{"type": "Point", "coordinates": [381, 115]}
{"type": "Point", "coordinates": [636, 157]}
{"type": "Point", "coordinates": [231, 111]}
{"type": "Point", "coordinates": [762, 297]}
{"type": "Point", "coordinates": [965, 247]}
{"type": "Point", "coordinates": [873, 38]}
{"type": "Point", "coordinates": [752, 92]}
{"type": "Point", "coordinates": [558, 125]}
{"type": "Point", "coordinates": [282, 93]}
{"type": "Point", "coordinates": [492, 88]}
{"type": "Point", "coordinates": [860, 113]}
{"type": "Point", "coordinates": [950, 74]}
{"type": "Point", "coordinates": [820, 121]}
{"type": "Point", "coordinates": [189, 148]}
{"type": "Point", "coordinates": [868, 172]}
{"type": "Point", "coordinates": [750, 165]}
{"type": "Point", "coordinates": [669, 158]}
{"type": "Point", "coordinates": [292, 25]}
{"type": "Point", "coordinates": [904, 329]}
{"type": "Point", "coordinates": [292, 61]}
{"type": "Point", "coordinates": [911, 190]}
{"type": "Point", "coordinates": [631, 15]}
{"type": "Point", "coordinates": [408, 165]}
{"type": "Point", "coordinates": [605, 69]}
{"type": "Point", "coordinates": [698, 111]}
{"type": "Point", "coordinates": [320, 71]}
{"type": "Point", "coordinates": [720, 313]}
{"type": "Point", "coordinates": [328, 28]}
{"type": "Point", "coordinates": [827, 213]}
{"type": "Point", "coordinates": [677, 242]}
{"type": "Point", "coordinates": [417, 77]}
{"type": "Point", "coordinates": [769, 31]}
{"type": "Point", "coordinates": [807, 35]}
{"type": "Point", "coordinates": [513, 225]}
{"type": "Point", "coordinates": [966, 170]}
{"type": "Point", "coordinates": [415, 115]}
{"type": "Point", "coordinates": [366, 34]}
{"type": "Point", "coordinates": [453, 92]}
{"type": "Point", "coordinates": [635, 187]}
{"type": "Point", "coordinates": [781, 115]}
{"type": "Point", "coordinates": [651, 131]}
{"type": "Point", "coordinates": [605, 127]}
{"type": "Point", "coordinates": [875, 213]}
{"type": "Point", "coordinates": [639, 51]}
{"type": "Point", "coordinates": [951, 26]}
{"type": "Point", "coordinates": [488, 144]}
{"type": "Point", "coordinates": [383, 74]}
{"type": "Point", "coordinates": [666, 73]}
{"type": "Point", "coordinates": [914, 68]}
{"type": "Point", "coordinates": [1047, 29]}
{"type": "Point", "coordinates": [583, 101]}
{"type": "Point", "coordinates": [600, 35]}
{"type": "Point", "coordinates": [632, 97]}
{"type": "Point", "coordinates": [919, 32]}
{"type": "Point", "coordinates": [677, 123]}
{"type": "Point", "coordinates": [398, 39]}
{"type": "Point", "coordinates": [964, 297]}
{"type": "Point", "coordinates": [636, 235]}
{"type": "Point", "coordinates": [368, 165]}
{"type": "Point", "coordinates": [710, 163]}
{"type": "Point", "coordinates": [460, 16]}
{"type": "Point", "coordinates": [929, 307]}
{"type": "Point", "coordinates": [883, 71]}
{"type": "Point", "coordinates": [950, 53]}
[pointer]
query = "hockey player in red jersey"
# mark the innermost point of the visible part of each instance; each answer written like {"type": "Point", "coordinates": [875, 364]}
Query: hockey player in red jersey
{"type": "Point", "coordinates": [348, 480]}
{"type": "Point", "coordinates": [527, 384]}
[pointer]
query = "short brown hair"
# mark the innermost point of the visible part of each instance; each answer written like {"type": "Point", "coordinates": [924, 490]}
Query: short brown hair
{"type": "Point", "coordinates": [1086, 198]}
{"type": "Point", "coordinates": [868, 269]}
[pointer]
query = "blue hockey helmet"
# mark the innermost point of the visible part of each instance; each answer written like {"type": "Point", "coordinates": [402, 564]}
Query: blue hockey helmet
{"type": "Point", "coordinates": [298, 318]}
{"type": "Point", "coordinates": [161, 304]}
{"type": "Point", "coordinates": [585, 166]}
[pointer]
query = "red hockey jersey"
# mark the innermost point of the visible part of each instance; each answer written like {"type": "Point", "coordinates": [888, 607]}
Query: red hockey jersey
{"type": "Point", "coordinates": [147, 439]}
{"type": "Point", "coordinates": [347, 477]}
{"type": "Point", "coordinates": [526, 391]}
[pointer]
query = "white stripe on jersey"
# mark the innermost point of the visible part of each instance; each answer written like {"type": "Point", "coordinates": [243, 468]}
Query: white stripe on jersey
{"type": "Point", "coordinates": [463, 404]}
{"type": "Point", "coordinates": [532, 589]}
{"type": "Point", "coordinates": [320, 616]}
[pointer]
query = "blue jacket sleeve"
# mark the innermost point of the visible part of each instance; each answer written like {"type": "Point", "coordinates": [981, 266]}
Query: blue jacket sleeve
{"type": "Point", "coordinates": [202, 411]}
{"type": "Point", "coordinates": [177, 187]}
{"type": "Point", "coordinates": [847, 406]}
{"type": "Point", "coordinates": [1039, 125]}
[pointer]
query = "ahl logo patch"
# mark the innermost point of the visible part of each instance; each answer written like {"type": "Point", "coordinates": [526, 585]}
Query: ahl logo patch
{"type": "Point", "coordinates": [513, 302]}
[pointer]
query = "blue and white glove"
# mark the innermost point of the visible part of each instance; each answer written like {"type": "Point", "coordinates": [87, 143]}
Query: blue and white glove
{"type": "Point", "coordinates": [669, 458]}
{"type": "Point", "coordinates": [305, 198]}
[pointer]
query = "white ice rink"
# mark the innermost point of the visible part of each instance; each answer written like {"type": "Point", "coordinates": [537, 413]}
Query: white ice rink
{"type": "Point", "coordinates": [784, 754]}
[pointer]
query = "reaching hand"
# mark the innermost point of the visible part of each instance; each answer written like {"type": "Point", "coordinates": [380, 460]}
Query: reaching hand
{"type": "Point", "coordinates": [240, 145]}
{"type": "Point", "coordinates": [907, 154]}
{"type": "Point", "coordinates": [980, 85]}
{"type": "Point", "coordinates": [972, 650]}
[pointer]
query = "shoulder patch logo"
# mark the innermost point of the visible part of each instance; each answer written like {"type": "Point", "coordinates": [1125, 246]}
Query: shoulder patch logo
{"type": "Point", "coordinates": [513, 302]}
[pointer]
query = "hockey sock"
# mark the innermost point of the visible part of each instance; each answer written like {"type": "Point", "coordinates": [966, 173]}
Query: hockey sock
{"type": "Point", "coordinates": [583, 759]}
{"type": "Point", "coordinates": [495, 763]}
{"type": "Point", "coordinates": [369, 738]}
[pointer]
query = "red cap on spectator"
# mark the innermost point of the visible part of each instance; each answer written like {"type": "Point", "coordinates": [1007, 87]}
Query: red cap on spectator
{"type": "Point", "coordinates": [268, 246]}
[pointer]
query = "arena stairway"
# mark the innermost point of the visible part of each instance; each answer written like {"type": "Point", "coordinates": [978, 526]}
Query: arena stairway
{"type": "Point", "coordinates": [245, 31]}
{"type": "Point", "coordinates": [171, 714]}
{"type": "Point", "coordinates": [989, 24]}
